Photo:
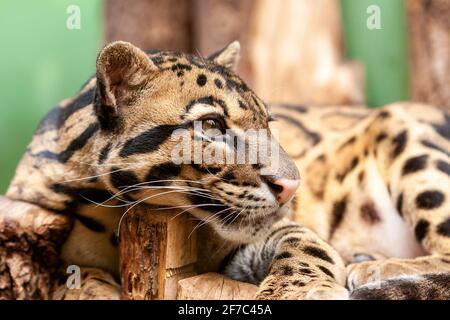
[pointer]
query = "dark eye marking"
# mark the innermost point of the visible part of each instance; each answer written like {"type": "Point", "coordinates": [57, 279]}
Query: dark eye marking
{"type": "Point", "coordinates": [150, 140]}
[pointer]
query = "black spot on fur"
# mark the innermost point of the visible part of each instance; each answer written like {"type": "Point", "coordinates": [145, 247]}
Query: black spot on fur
{"type": "Point", "coordinates": [421, 229]}
{"type": "Point", "coordinates": [400, 204]}
{"type": "Point", "coordinates": [326, 271]}
{"type": "Point", "coordinates": [163, 171]}
{"type": "Point", "coordinates": [80, 195]}
{"type": "Point", "coordinates": [369, 213]}
{"type": "Point", "coordinates": [444, 128]}
{"type": "Point", "coordinates": [179, 68]}
{"type": "Point", "coordinates": [415, 164]}
{"type": "Point", "coordinates": [384, 114]}
{"type": "Point", "coordinates": [347, 143]}
{"type": "Point", "coordinates": [298, 283]}
{"type": "Point", "coordinates": [104, 153]}
{"type": "Point", "coordinates": [122, 179]}
{"type": "Point", "coordinates": [380, 137]}
{"type": "Point", "coordinates": [201, 80]}
{"type": "Point", "coordinates": [444, 228]}
{"type": "Point", "coordinates": [399, 143]}
{"type": "Point", "coordinates": [283, 255]}
{"type": "Point", "coordinates": [149, 140]}
{"type": "Point", "coordinates": [430, 199]}
{"type": "Point", "coordinates": [242, 105]}
{"type": "Point", "coordinates": [361, 176]}
{"type": "Point", "coordinates": [218, 83]}
{"type": "Point", "coordinates": [304, 271]}
{"type": "Point", "coordinates": [317, 253]}
{"type": "Point", "coordinates": [443, 166]}
{"type": "Point", "coordinates": [286, 270]}
{"type": "Point", "coordinates": [207, 170]}
{"type": "Point", "coordinates": [434, 146]}
{"type": "Point", "coordinates": [337, 214]}
{"type": "Point", "coordinates": [341, 176]}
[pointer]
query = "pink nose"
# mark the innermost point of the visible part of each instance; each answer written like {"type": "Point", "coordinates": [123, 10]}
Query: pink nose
{"type": "Point", "coordinates": [284, 189]}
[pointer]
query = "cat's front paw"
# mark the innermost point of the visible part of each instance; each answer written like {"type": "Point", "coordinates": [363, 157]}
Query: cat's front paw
{"type": "Point", "coordinates": [291, 288]}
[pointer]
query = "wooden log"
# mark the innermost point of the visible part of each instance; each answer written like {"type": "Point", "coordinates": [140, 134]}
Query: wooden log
{"type": "Point", "coordinates": [156, 251]}
{"type": "Point", "coordinates": [150, 24]}
{"type": "Point", "coordinates": [429, 43]}
{"type": "Point", "coordinates": [30, 243]}
{"type": "Point", "coordinates": [296, 54]}
{"type": "Point", "coordinates": [213, 286]}
{"type": "Point", "coordinates": [217, 23]}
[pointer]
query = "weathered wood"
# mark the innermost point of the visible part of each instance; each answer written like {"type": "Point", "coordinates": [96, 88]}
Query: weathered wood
{"type": "Point", "coordinates": [157, 24]}
{"type": "Point", "coordinates": [30, 243]}
{"type": "Point", "coordinates": [429, 42]}
{"type": "Point", "coordinates": [156, 251]}
{"type": "Point", "coordinates": [217, 23]}
{"type": "Point", "coordinates": [213, 286]}
{"type": "Point", "coordinates": [296, 54]}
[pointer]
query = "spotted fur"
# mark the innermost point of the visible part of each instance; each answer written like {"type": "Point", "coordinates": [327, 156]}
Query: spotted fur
{"type": "Point", "coordinates": [374, 182]}
{"type": "Point", "coordinates": [376, 188]}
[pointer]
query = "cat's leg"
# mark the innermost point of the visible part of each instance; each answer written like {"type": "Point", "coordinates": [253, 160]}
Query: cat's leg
{"type": "Point", "coordinates": [291, 263]}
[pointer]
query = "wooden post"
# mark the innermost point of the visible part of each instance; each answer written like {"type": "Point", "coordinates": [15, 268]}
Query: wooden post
{"type": "Point", "coordinates": [157, 249]}
{"type": "Point", "coordinates": [150, 24]}
{"type": "Point", "coordinates": [429, 42]}
{"type": "Point", "coordinates": [213, 286]}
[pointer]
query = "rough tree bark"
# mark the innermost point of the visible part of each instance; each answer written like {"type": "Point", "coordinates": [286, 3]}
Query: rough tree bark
{"type": "Point", "coordinates": [30, 242]}
{"type": "Point", "coordinates": [429, 39]}
{"type": "Point", "coordinates": [156, 251]}
{"type": "Point", "coordinates": [158, 24]}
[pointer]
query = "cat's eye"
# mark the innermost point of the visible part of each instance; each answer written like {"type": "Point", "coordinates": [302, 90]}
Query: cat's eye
{"type": "Point", "coordinates": [210, 124]}
{"type": "Point", "coordinates": [213, 125]}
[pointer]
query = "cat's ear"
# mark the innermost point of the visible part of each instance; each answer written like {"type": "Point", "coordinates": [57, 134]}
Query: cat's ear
{"type": "Point", "coordinates": [123, 71]}
{"type": "Point", "coordinates": [228, 56]}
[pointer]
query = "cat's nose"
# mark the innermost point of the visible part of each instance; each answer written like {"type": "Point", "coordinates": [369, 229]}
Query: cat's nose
{"type": "Point", "coordinates": [284, 189]}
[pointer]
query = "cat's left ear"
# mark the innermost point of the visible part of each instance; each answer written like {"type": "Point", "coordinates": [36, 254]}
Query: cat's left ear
{"type": "Point", "coordinates": [228, 56]}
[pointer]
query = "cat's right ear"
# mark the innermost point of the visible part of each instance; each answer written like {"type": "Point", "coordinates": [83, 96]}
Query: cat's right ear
{"type": "Point", "coordinates": [123, 71]}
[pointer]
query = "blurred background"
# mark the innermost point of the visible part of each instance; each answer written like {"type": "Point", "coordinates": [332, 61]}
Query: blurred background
{"type": "Point", "coordinates": [294, 51]}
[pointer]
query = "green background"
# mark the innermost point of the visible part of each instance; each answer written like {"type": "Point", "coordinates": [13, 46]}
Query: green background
{"type": "Point", "coordinates": [42, 62]}
{"type": "Point", "coordinates": [383, 51]}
